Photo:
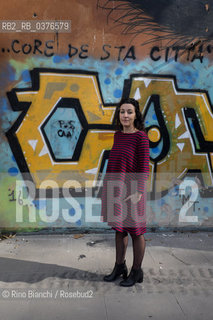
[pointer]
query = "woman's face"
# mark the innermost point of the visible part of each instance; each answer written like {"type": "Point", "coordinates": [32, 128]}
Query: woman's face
{"type": "Point", "coordinates": [127, 115]}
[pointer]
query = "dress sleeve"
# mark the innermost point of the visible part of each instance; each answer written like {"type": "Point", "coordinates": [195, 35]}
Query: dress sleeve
{"type": "Point", "coordinates": [142, 161]}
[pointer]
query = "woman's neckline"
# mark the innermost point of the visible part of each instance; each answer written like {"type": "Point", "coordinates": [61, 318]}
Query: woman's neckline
{"type": "Point", "coordinates": [129, 132]}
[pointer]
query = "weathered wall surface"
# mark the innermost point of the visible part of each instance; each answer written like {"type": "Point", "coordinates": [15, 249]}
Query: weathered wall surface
{"type": "Point", "coordinates": [58, 96]}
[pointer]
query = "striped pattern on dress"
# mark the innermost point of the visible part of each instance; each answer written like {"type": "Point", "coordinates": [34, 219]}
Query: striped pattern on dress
{"type": "Point", "coordinates": [127, 172]}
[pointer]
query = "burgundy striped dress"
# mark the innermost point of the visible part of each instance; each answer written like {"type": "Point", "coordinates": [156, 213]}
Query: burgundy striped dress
{"type": "Point", "coordinates": [127, 172]}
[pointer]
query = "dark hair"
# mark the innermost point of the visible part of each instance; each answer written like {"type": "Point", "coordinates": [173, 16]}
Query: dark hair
{"type": "Point", "coordinates": [138, 122]}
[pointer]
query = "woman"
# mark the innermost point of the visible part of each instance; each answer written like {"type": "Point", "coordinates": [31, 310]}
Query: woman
{"type": "Point", "coordinates": [124, 194]}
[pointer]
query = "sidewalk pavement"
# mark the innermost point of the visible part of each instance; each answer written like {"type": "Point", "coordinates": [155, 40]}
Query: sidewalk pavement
{"type": "Point", "coordinates": [60, 277]}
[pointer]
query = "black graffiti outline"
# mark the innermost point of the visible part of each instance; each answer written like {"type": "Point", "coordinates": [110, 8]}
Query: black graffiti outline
{"type": "Point", "coordinates": [205, 192]}
{"type": "Point", "coordinates": [24, 106]}
{"type": "Point", "coordinates": [76, 105]}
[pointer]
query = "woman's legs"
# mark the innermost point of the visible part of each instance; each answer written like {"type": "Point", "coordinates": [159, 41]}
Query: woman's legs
{"type": "Point", "coordinates": [120, 268]}
{"type": "Point", "coordinates": [121, 242]}
{"type": "Point", "coordinates": [136, 273]}
{"type": "Point", "coordinates": [139, 245]}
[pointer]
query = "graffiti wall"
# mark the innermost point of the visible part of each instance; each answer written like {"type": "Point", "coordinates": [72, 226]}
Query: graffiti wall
{"type": "Point", "coordinates": [64, 69]}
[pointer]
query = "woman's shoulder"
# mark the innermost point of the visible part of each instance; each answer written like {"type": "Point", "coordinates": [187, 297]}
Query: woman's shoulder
{"type": "Point", "coordinates": [142, 134]}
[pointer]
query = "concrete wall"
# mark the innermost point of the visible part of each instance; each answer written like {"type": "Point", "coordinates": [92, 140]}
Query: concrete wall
{"type": "Point", "coordinates": [58, 95]}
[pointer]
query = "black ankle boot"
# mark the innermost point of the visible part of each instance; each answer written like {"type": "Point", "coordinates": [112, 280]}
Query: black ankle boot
{"type": "Point", "coordinates": [119, 269]}
{"type": "Point", "coordinates": [133, 277]}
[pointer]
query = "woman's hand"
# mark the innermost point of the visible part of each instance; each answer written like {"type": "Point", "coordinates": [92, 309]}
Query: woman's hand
{"type": "Point", "coordinates": [135, 197]}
